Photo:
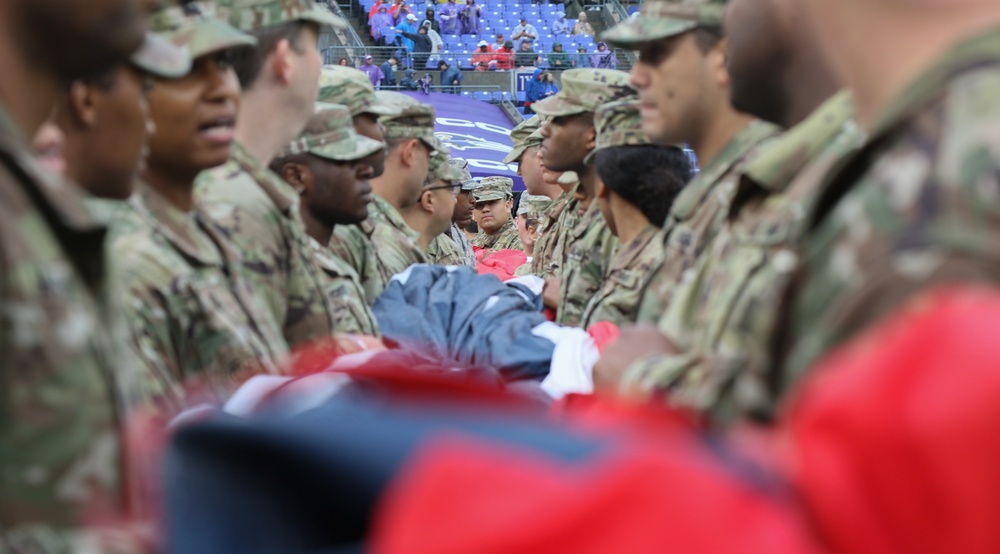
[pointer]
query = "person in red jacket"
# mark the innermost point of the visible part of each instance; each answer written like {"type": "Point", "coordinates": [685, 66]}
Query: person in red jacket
{"type": "Point", "coordinates": [505, 56]}
{"type": "Point", "coordinates": [482, 58]}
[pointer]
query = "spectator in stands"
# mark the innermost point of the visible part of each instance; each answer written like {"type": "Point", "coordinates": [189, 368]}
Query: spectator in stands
{"type": "Point", "coordinates": [581, 59]}
{"type": "Point", "coordinates": [549, 86]}
{"type": "Point", "coordinates": [404, 27]}
{"type": "Point", "coordinates": [374, 73]}
{"type": "Point", "coordinates": [426, 82]}
{"type": "Point", "coordinates": [394, 9]}
{"type": "Point", "coordinates": [470, 16]}
{"type": "Point", "coordinates": [389, 70]}
{"type": "Point", "coordinates": [450, 24]}
{"type": "Point", "coordinates": [557, 58]}
{"type": "Point", "coordinates": [534, 90]}
{"type": "Point", "coordinates": [560, 26]}
{"type": "Point", "coordinates": [582, 27]}
{"type": "Point", "coordinates": [604, 58]}
{"type": "Point", "coordinates": [379, 23]}
{"type": "Point", "coordinates": [344, 62]}
{"type": "Point", "coordinates": [482, 58]}
{"type": "Point", "coordinates": [429, 18]}
{"type": "Point", "coordinates": [505, 56]}
{"type": "Point", "coordinates": [421, 46]}
{"type": "Point", "coordinates": [526, 56]}
{"type": "Point", "coordinates": [498, 43]}
{"type": "Point", "coordinates": [437, 45]}
{"type": "Point", "coordinates": [524, 32]}
{"type": "Point", "coordinates": [451, 78]}
{"type": "Point", "coordinates": [409, 82]}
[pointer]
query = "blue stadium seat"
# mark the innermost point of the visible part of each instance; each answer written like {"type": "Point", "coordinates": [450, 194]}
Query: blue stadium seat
{"type": "Point", "coordinates": [483, 95]}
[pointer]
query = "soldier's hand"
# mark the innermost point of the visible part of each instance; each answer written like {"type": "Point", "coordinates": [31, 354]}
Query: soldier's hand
{"type": "Point", "coordinates": [633, 344]}
{"type": "Point", "coordinates": [550, 293]}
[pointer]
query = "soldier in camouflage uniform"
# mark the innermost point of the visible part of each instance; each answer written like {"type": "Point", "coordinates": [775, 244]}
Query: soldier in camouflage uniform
{"type": "Point", "coordinates": [530, 209]}
{"type": "Point", "coordinates": [105, 120]}
{"type": "Point", "coordinates": [916, 207]}
{"type": "Point", "coordinates": [682, 28]}
{"type": "Point", "coordinates": [453, 247]}
{"type": "Point", "coordinates": [494, 200]}
{"type": "Point", "coordinates": [66, 381]}
{"type": "Point", "coordinates": [637, 186]}
{"type": "Point", "coordinates": [330, 165]}
{"type": "Point", "coordinates": [192, 313]}
{"type": "Point", "coordinates": [351, 87]}
{"type": "Point", "coordinates": [384, 245]}
{"type": "Point", "coordinates": [431, 215]}
{"type": "Point", "coordinates": [567, 138]}
{"type": "Point", "coordinates": [556, 223]}
{"type": "Point", "coordinates": [259, 211]}
{"type": "Point", "coordinates": [721, 320]}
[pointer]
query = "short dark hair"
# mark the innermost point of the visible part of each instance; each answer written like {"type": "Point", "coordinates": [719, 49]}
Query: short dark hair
{"type": "Point", "coordinates": [648, 176]}
{"type": "Point", "coordinates": [708, 37]}
{"type": "Point", "coordinates": [248, 62]}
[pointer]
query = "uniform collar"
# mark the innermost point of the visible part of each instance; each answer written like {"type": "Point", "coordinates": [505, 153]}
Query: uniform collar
{"type": "Point", "coordinates": [280, 192]}
{"type": "Point", "coordinates": [735, 150]}
{"type": "Point", "coordinates": [181, 229]}
{"type": "Point", "coordinates": [393, 217]}
{"type": "Point", "coordinates": [783, 158]}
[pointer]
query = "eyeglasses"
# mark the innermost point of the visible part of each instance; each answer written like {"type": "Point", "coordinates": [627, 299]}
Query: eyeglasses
{"type": "Point", "coordinates": [453, 189]}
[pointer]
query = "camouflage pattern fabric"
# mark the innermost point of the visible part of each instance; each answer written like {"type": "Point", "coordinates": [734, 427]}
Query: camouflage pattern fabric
{"type": "Point", "coordinates": [521, 137]}
{"type": "Point", "coordinates": [622, 286]}
{"type": "Point", "coordinates": [158, 57]}
{"type": "Point", "coordinates": [452, 248]}
{"type": "Point", "coordinates": [660, 19]}
{"type": "Point", "coordinates": [723, 318]}
{"type": "Point", "coordinates": [617, 124]}
{"type": "Point", "coordinates": [588, 253]}
{"type": "Point", "coordinates": [494, 188]}
{"type": "Point", "coordinates": [379, 247]}
{"type": "Point", "coordinates": [350, 87]}
{"type": "Point", "coordinates": [505, 238]}
{"type": "Point", "coordinates": [195, 30]}
{"type": "Point", "coordinates": [191, 312]}
{"type": "Point", "coordinates": [259, 213]}
{"type": "Point", "coordinates": [68, 383]}
{"type": "Point", "coordinates": [697, 215]}
{"type": "Point", "coordinates": [251, 15]}
{"type": "Point", "coordinates": [330, 134]}
{"type": "Point", "coordinates": [915, 208]}
{"type": "Point", "coordinates": [558, 222]}
{"type": "Point", "coordinates": [345, 293]}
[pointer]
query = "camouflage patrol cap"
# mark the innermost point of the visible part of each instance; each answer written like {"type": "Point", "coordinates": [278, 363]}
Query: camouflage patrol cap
{"type": "Point", "coordinates": [519, 136]}
{"type": "Point", "coordinates": [533, 206]}
{"type": "Point", "coordinates": [413, 120]}
{"type": "Point", "coordinates": [330, 134]}
{"type": "Point", "coordinates": [158, 57]}
{"type": "Point", "coordinates": [617, 124]}
{"type": "Point", "coordinates": [660, 19]}
{"type": "Point", "coordinates": [583, 90]}
{"type": "Point", "coordinates": [351, 87]}
{"type": "Point", "coordinates": [253, 15]}
{"type": "Point", "coordinates": [441, 169]}
{"type": "Point", "coordinates": [494, 188]}
{"type": "Point", "coordinates": [468, 183]}
{"type": "Point", "coordinates": [194, 28]}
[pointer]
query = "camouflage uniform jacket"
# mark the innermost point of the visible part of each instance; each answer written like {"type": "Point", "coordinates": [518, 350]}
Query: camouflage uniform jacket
{"type": "Point", "coordinates": [697, 215]}
{"type": "Point", "coordinates": [723, 318]}
{"type": "Point", "coordinates": [259, 213]}
{"type": "Point", "coordinates": [559, 221]}
{"type": "Point", "coordinates": [451, 248]}
{"type": "Point", "coordinates": [588, 254]}
{"type": "Point", "coordinates": [377, 248]}
{"type": "Point", "coordinates": [506, 238]}
{"type": "Point", "coordinates": [190, 309]}
{"type": "Point", "coordinates": [344, 291]}
{"type": "Point", "coordinates": [627, 276]}
{"type": "Point", "coordinates": [916, 207]}
{"type": "Point", "coordinates": [67, 384]}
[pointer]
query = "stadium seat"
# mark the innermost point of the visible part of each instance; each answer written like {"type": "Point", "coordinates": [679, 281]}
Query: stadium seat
{"type": "Point", "coordinates": [483, 95]}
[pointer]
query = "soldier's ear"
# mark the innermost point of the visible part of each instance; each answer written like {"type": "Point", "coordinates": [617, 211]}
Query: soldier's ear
{"type": "Point", "coordinates": [298, 176]}
{"type": "Point", "coordinates": [280, 61]}
{"type": "Point", "coordinates": [718, 60]}
{"type": "Point", "coordinates": [427, 201]}
{"type": "Point", "coordinates": [81, 103]}
{"type": "Point", "coordinates": [591, 135]}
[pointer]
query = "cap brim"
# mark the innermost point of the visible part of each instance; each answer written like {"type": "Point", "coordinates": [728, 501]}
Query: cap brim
{"type": "Point", "coordinates": [638, 30]}
{"type": "Point", "coordinates": [557, 106]}
{"type": "Point", "coordinates": [324, 17]}
{"type": "Point", "coordinates": [380, 110]}
{"type": "Point", "coordinates": [209, 35]}
{"type": "Point", "coordinates": [489, 196]}
{"type": "Point", "coordinates": [514, 155]}
{"type": "Point", "coordinates": [339, 152]}
{"type": "Point", "coordinates": [469, 186]}
{"type": "Point", "coordinates": [158, 56]}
